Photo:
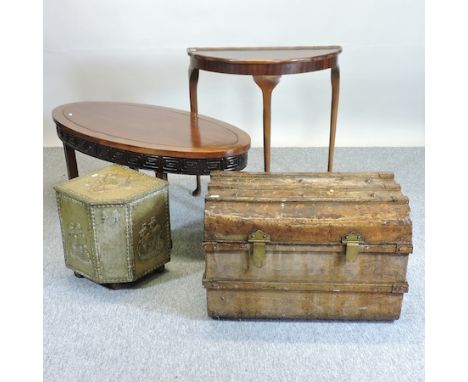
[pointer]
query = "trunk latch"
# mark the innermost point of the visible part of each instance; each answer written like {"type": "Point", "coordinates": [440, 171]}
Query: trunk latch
{"type": "Point", "coordinates": [258, 240]}
{"type": "Point", "coordinates": [353, 243]}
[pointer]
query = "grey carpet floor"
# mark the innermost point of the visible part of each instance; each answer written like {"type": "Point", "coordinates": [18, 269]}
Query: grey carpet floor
{"type": "Point", "coordinates": [160, 331]}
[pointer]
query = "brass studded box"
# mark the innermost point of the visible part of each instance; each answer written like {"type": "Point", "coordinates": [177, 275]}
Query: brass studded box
{"type": "Point", "coordinates": [306, 245]}
{"type": "Point", "coordinates": [115, 224]}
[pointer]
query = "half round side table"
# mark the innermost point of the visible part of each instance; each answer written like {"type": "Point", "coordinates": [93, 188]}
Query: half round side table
{"type": "Point", "coordinates": [267, 65]}
{"type": "Point", "coordinates": [150, 137]}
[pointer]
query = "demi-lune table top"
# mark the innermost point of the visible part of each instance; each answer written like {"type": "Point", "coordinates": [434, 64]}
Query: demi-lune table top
{"type": "Point", "coordinates": [265, 60]}
{"type": "Point", "coordinates": [151, 129]}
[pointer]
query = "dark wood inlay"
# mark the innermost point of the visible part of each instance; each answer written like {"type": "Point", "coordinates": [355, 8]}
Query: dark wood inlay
{"type": "Point", "coordinates": [160, 164]}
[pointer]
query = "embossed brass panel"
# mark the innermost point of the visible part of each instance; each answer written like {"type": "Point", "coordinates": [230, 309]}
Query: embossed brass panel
{"type": "Point", "coordinates": [115, 224]}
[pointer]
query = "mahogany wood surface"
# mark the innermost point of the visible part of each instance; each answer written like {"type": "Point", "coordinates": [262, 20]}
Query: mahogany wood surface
{"type": "Point", "coordinates": [152, 129]}
{"type": "Point", "coordinates": [149, 137]}
{"type": "Point", "coordinates": [266, 65]}
{"type": "Point", "coordinates": [265, 60]}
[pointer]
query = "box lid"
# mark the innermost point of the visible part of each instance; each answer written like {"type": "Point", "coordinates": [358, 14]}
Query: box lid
{"type": "Point", "coordinates": [307, 208]}
{"type": "Point", "coordinates": [111, 185]}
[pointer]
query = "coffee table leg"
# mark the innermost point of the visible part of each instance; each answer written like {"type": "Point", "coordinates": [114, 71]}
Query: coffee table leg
{"type": "Point", "coordinates": [266, 84]}
{"type": "Point", "coordinates": [193, 82]}
{"type": "Point", "coordinates": [161, 175]}
{"type": "Point", "coordinates": [70, 159]}
{"type": "Point", "coordinates": [197, 190]}
{"type": "Point", "coordinates": [335, 81]}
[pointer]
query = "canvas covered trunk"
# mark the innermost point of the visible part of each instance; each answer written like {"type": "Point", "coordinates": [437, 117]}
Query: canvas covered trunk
{"type": "Point", "coordinates": [306, 245]}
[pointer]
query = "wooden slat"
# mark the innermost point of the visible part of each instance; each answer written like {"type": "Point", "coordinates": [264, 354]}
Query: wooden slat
{"type": "Point", "coordinates": [364, 179]}
{"type": "Point", "coordinates": [307, 213]}
{"type": "Point", "coordinates": [310, 192]}
{"type": "Point", "coordinates": [329, 181]}
{"type": "Point", "coordinates": [401, 287]}
{"type": "Point", "coordinates": [332, 248]}
{"type": "Point", "coordinates": [305, 231]}
{"type": "Point", "coordinates": [252, 175]}
{"type": "Point", "coordinates": [308, 199]}
{"type": "Point", "coordinates": [338, 186]}
{"type": "Point", "coordinates": [319, 184]}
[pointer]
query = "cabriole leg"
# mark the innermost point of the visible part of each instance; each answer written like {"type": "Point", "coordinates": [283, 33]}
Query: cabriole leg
{"type": "Point", "coordinates": [266, 84]}
{"type": "Point", "coordinates": [335, 81]}
{"type": "Point", "coordinates": [193, 83]}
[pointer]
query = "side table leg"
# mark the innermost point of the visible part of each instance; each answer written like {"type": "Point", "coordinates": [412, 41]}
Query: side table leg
{"type": "Point", "coordinates": [266, 84]}
{"type": "Point", "coordinates": [70, 160]}
{"type": "Point", "coordinates": [193, 82]}
{"type": "Point", "coordinates": [335, 81]}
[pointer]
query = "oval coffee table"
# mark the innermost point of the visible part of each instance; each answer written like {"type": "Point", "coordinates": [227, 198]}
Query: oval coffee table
{"type": "Point", "coordinates": [267, 65]}
{"type": "Point", "coordinates": [150, 137]}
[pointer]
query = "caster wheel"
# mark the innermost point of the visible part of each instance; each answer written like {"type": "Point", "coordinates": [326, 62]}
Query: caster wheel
{"type": "Point", "coordinates": [113, 286]}
{"type": "Point", "coordinates": [78, 275]}
{"type": "Point", "coordinates": [161, 269]}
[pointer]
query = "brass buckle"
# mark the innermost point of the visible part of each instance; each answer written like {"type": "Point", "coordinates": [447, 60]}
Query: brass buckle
{"type": "Point", "coordinates": [258, 239]}
{"type": "Point", "coordinates": [353, 243]}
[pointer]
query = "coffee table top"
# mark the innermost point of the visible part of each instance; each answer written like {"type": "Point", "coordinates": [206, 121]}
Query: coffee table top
{"type": "Point", "coordinates": [151, 129]}
{"type": "Point", "coordinates": [265, 60]}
